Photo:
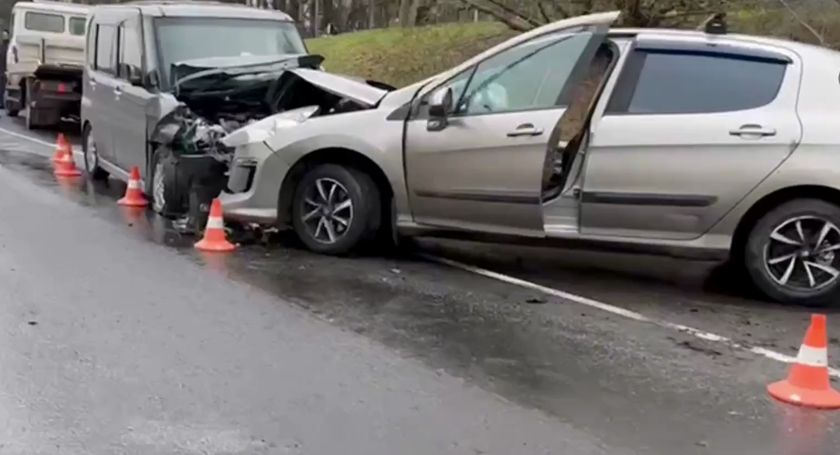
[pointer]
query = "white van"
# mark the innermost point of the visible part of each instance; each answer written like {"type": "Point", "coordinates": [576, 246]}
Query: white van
{"type": "Point", "coordinates": [44, 61]}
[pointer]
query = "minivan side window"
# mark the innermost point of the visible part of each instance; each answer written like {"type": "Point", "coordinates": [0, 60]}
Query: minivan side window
{"type": "Point", "coordinates": [695, 83]}
{"type": "Point", "coordinates": [43, 22]}
{"type": "Point", "coordinates": [106, 43]}
{"type": "Point", "coordinates": [131, 50]}
{"type": "Point", "coordinates": [77, 25]}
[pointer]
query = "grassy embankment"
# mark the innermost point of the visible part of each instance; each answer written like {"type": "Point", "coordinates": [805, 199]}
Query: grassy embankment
{"type": "Point", "coordinates": [401, 56]}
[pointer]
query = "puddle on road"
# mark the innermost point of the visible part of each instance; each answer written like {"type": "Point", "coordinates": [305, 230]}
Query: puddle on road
{"type": "Point", "coordinates": [486, 332]}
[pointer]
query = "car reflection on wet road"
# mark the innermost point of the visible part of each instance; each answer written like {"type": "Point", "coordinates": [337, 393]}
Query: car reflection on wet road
{"type": "Point", "coordinates": [521, 368]}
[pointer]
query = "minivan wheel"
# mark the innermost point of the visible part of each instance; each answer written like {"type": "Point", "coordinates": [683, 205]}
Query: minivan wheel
{"type": "Point", "coordinates": [91, 155]}
{"type": "Point", "coordinates": [793, 253]}
{"type": "Point", "coordinates": [164, 187]}
{"type": "Point", "coordinates": [336, 209]}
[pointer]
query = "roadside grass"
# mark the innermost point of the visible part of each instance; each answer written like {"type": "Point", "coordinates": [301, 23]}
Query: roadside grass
{"type": "Point", "coordinates": [400, 56]}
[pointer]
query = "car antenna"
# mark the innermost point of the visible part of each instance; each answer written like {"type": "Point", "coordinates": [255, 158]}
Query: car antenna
{"type": "Point", "coordinates": [716, 24]}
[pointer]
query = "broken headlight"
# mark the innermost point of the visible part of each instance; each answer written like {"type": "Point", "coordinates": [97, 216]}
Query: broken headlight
{"type": "Point", "coordinates": [267, 127]}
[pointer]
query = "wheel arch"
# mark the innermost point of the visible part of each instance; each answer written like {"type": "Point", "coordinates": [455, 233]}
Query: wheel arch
{"type": "Point", "coordinates": [773, 200]}
{"type": "Point", "coordinates": [332, 155]}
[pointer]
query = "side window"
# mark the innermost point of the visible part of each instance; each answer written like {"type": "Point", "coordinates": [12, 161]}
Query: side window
{"type": "Point", "coordinates": [529, 76]}
{"type": "Point", "coordinates": [130, 59]}
{"type": "Point", "coordinates": [106, 44]}
{"type": "Point", "coordinates": [695, 83]}
{"type": "Point", "coordinates": [77, 25]}
{"type": "Point", "coordinates": [43, 22]}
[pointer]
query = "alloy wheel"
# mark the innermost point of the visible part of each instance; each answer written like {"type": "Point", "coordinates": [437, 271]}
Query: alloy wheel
{"type": "Point", "coordinates": [801, 253]}
{"type": "Point", "coordinates": [158, 189]}
{"type": "Point", "coordinates": [328, 210]}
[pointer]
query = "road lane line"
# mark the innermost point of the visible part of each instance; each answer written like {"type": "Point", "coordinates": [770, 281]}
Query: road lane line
{"type": "Point", "coordinates": [32, 139]}
{"type": "Point", "coordinates": [708, 336]}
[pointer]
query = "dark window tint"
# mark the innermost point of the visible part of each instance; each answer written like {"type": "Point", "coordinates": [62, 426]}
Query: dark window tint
{"type": "Point", "coordinates": [77, 26]}
{"type": "Point", "coordinates": [106, 41]}
{"type": "Point", "coordinates": [671, 83]}
{"type": "Point", "coordinates": [43, 22]}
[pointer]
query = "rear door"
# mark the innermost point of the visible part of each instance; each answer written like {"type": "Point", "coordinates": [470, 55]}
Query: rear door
{"type": "Point", "coordinates": [691, 127]}
{"type": "Point", "coordinates": [483, 170]}
{"type": "Point", "coordinates": [129, 141]}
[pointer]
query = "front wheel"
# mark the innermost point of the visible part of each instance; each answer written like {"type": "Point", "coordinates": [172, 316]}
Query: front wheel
{"type": "Point", "coordinates": [793, 253]}
{"type": "Point", "coordinates": [336, 209]}
{"type": "Point", "coordinates": [166, 190]}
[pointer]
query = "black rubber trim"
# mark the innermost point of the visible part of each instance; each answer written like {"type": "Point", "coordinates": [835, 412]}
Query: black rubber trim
{"type": "Point", "coordinates": [711, 49]}
{"type": "Point", "coordinates": [674, 200]}
{"type": "Point", "coordinates": [478, 197]}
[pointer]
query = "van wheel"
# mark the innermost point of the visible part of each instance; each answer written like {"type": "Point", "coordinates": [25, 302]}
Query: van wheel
{"type": "Point", "coordinates": [164, 188]}
{"type": "Point", "coordinates": [92, 155]}
{"type": "Point", "coordinates": [336, 209]}
{"type": "Point", "coordinates": [793, 253]}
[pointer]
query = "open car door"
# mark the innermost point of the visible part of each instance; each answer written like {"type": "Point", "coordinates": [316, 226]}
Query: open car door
{"type": "Point", "coordinates": [477, 138]}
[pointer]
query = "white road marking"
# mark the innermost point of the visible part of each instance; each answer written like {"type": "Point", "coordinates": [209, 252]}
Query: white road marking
{"type": "Point", "coordinates": [773, 355]}
{"type": "Point", "coordinates": [32, 139]}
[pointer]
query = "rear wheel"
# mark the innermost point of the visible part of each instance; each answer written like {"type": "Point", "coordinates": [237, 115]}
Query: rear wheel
{"type": "Point", "coordinates": [92, 155]}
{"type": "Point", "coordinates": [793, 253]}
{"type": "Point", "coordinates": [336, 209]}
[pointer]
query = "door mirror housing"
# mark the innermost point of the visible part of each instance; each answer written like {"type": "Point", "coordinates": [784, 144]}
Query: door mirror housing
{"type": "Point", "coordinates": [151, 79]}
{"type": "Point", "coordinates": [440, 104]}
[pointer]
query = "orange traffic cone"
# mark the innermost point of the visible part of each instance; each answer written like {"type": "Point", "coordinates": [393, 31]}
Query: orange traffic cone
{"type": "Point", "coordinates": [133, 194]}
{"type": "Point", "coordinates": [808, 383]}
{"type": "Point", "coordinates": [214, 234]}
{"type": "Point", "coordinates": [62, 147]}
{"type": "Point", "coordinates": [65, 166]}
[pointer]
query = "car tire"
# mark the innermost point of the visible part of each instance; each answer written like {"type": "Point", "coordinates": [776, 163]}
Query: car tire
{"type": "Point", "coordinates": [782, 256]}
{"type": "Point", "coordinates": [346, 222]}
{"type": "Point", "coordinates": [167, 193]}
{"type": "Point", "coordinates": [91, 156]}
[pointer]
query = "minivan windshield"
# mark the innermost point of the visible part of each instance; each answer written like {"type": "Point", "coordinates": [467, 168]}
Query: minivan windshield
{"type": "Point", "coordinates": [190, 38]}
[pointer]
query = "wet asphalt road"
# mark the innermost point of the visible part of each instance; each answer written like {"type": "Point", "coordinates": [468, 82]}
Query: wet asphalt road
{"type": "Point", "coordinates": [119, 338]}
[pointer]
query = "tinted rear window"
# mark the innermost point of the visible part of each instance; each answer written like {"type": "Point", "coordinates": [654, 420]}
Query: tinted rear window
{"type": "Point", "coordinates": [77, 25]}
{"type": "Point", "coordinates": [676, 83]}
{"type": "Point", "coordinates": [43, 22]}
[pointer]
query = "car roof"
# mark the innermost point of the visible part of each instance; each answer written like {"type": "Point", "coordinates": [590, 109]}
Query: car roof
{"type": "Point", "coordinates": [185, 8]}
{"type": "Point", "coordinates": [58, 7]}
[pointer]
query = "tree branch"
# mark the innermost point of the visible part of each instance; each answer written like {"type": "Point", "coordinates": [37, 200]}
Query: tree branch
{"type": "Point", "coordinates": [543, 12]}
{"type": "Point", "coordinates": [513, 12]}
{"type": "Point", "coordinates": [803, 23]}
{"type": "Point", "coordinates": [511, 24]}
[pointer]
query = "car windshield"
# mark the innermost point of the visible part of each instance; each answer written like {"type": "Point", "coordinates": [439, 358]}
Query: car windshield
{"type": "Point", "coordinates": [181, 39]}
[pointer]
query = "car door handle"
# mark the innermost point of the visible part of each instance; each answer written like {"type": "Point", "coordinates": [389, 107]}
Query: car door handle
{"type": "Point", "coordinates": [752, 129]}
{"type": "Point", "coordinates": [526, 129]}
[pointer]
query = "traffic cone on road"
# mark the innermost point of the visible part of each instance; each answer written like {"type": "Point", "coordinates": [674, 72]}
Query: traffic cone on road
{"type": "Point", "coordinates": [214, 234]}
{"type": "Point", "coordinates": [808, 383]}
{"type": "Point", "coordinates": [133, 192]}
{"type": "Point", "coordinates": [65, 166]}
{"type": "Point", "coordinates": [62, 147]}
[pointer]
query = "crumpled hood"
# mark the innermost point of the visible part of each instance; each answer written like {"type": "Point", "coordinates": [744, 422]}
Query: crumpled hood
{"type": "Point", "coordinates": [355, 89]}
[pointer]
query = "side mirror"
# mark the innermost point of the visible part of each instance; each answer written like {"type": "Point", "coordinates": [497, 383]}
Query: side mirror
{"type": "Point", "coordinates": [440, 104]}
{"type": "Point", "coordinates": [151, 79]}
